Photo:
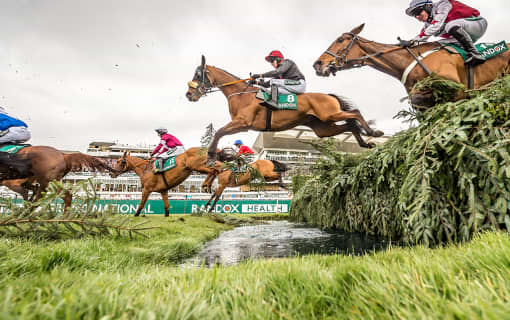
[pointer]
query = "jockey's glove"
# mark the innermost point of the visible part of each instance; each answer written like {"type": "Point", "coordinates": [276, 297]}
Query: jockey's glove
{"type": "Point", "coordinates": [255, 76]}
{"type": "Point", "coordinates": [406, 43]}
{"type": "Point", "coordinates": [265, 84]}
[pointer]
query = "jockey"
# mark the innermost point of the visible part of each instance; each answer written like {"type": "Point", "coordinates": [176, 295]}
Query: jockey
{"type": "Point", "coordinates": [12, 130]}
{"type": "Point", "coordinates": [242, 149]}
{"type": "Point", "coordinates": [244, 155]}
{"type": "Point", "coordinates": [169, 145]}
{"type": "Point", "coordinates": [285, 79]}
{"type": "Point", "coordinates": [451, 20]}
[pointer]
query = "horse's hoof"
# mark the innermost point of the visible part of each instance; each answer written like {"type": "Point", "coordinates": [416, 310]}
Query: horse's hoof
{"type": "Point", "coordinates": [378, 133]}
{"type": "Point", "coordinates": [371, 145]}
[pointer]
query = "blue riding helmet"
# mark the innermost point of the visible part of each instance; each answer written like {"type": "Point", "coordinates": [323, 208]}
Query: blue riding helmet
{"type": "Point", "coordinates": [238, 142]}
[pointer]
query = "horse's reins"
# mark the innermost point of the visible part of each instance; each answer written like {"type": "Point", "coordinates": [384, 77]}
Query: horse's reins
{"type": "Point", "coordinates": [202, 85]}
{"type": "Point", "coordinates": [340, 60]}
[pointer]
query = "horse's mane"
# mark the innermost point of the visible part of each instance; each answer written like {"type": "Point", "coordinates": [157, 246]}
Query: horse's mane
{"type": "Point", "coordinates": [230, 74]}
{"type": "Point", "coordinates": [78, 162]}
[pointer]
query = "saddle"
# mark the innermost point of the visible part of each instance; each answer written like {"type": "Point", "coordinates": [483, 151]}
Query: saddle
{"type": "Point", "coordinates": [487, 50]}
{"type": "Point", "coordinates": [162, 165]}
{"type": "Point", "coordinates": [13, 147]}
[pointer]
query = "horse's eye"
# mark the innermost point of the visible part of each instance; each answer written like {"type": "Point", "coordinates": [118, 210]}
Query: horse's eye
{"type": "Point", "coordinates": [340, 40]}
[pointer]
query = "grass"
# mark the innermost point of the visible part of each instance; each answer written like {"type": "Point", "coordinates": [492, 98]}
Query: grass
{"type": "Point", "coordinates": [105, 278]}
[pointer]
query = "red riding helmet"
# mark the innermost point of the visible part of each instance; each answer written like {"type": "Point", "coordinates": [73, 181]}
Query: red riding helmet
{"type": "Point", "coordinates": [274, 54]}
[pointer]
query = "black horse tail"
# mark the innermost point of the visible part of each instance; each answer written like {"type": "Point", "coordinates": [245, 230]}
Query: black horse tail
{"type": "Point", "coordinates": [347, 105]}
{"type": "Point", "coordinates": [279, 167]}
{"type": "Point", "coordinates": [13, 166]}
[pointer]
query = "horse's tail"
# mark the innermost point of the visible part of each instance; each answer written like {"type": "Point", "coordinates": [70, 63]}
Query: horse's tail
{"type": "Point", "coordinates": [13, 166]}
{"type": "Point", "coordinates": [347, 105]}
{"type": "Point", "coordinates": [78, 161]}
{"type": "Point", "coordinates": [279, 167]}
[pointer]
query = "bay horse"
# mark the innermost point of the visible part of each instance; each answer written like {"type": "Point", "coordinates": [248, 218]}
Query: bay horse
{"type": "Point", "coordinates": [193, 159]}
{"type": "Point", "coordinates": [352, 51]}
{"type": "Point", "coordinates": [318, 111]}
{"type": "Point", "coordinates": [271, 170]}
{"type": "Point", "coordinates": [47, 164]}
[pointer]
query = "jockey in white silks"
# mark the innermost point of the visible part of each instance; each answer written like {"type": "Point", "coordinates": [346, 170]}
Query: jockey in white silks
{"type": "Point", "coordinates": [453, 21]}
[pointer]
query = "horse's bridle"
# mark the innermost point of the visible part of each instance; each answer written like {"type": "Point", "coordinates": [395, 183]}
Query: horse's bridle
{"type": "Point", "coordinates": [341, 56]}
{"type": "Point", "coordinates": [204, 86]}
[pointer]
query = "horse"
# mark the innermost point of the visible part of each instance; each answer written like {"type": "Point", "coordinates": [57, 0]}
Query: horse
{"type": "Point", "coordinates": [193, 159]}
{"type": "Point", "coordinates": [13, 166]}
{"type": "Point", "coordinates": [47, 164]}
{"type": "Point", "coordinates": [352, 51]}
{"type": "Point", "coordinates": [318, 111]}
{"type": "Point", "coordinates": [271, 170]}
{"type": "Point", "coordinates": [20, 186]}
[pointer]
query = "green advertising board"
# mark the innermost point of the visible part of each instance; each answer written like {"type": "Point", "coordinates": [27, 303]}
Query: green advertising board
{"type": "Point", "coordinates": [194, 206]}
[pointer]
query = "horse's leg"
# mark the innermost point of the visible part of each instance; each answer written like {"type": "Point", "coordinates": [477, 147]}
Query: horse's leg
{"type": "Point", "coordinates": [68, 199]}
{"type": "Point", "coordinates": [164, 195]}
{"type": "Point", "coordinates": [356, 115]}
{"type": "Point", "coordinates": [207, 185]}
{"type": "Point", "coordinates": [356, 132]}
{"type": "Point", "coordinates": [217, 196]}
{"type": "Point", "coordinates": [327, 129]}
{"type": "Point", "coordinates": [233, 127]}
{"type": "Point", "coordinates": [145, 196]}
{"type": "Point", "coordinates": [280, 182]}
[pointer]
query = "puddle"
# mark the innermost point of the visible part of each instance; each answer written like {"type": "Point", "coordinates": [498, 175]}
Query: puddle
{"type": "Point", "coordinates": [278, 239]}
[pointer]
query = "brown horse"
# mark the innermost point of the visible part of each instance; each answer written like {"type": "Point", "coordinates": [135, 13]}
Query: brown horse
{"type": "Point", "coordinates": [271, 170]}
{"type": "Point", "coordinates": [47, 164]}
{"type": "Point", "coordinates": [318, 111]}
{"type": "Point", "coordinates": [20, 186]}
{"type": "Point", "coordinates": [351, 51]}
{"type": "Point", "coordinates": [194, 159]}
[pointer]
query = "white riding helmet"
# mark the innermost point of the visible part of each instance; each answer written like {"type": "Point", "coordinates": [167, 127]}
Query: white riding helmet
{"type": "Point", "coordinates": [161, 130]}
{"type": "Point", "coordinates": [417, 4]}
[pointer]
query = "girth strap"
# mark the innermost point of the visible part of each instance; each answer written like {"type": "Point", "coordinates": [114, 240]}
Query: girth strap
{"type": "Point", "coordinates": [164, 180]}
{"type": "Point", "coordinates": [269, 114]}
{"type": "Point", "coordinates": [471, 77]}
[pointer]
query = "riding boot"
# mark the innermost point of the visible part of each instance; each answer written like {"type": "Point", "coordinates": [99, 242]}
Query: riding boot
{"type": "Point", "coordinates": [473, 56]}
{"type": "Point", "coordinates": [274, 96]}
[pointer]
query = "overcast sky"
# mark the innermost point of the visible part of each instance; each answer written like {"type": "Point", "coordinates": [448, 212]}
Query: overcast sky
{"type": "Point", "coordinates": [82, 71]}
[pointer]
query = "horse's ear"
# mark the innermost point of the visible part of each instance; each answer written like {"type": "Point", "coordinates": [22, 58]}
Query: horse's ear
{"type": "Point", "coordinates": [128, 153]}
{"type": "Point", "coordinates": [125, 152]}
{"type": "Point", "coordinates": [358, 29]}
{"type": "Point", "coordinates": [203, 60]}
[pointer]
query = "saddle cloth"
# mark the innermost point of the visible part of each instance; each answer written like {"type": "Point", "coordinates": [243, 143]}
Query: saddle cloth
{"type": "Point", "coordinates": [488, 50]}
{"type": "Point", "coordinates": [162, 165]}
{"type": "Point", "coordinates": [12, 148]}
{"type": "Point", "coordinates": [285, 101]}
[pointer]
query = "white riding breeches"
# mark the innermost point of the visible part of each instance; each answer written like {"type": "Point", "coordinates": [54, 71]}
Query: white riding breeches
{"type": "Point", "coordinates": [475, 27]}
{"type": "Point", "coordinates": [15, 134]}
{"type": "Point", "coordinates": [171, 152]}
{"type": "Point", "coordinates": [288, 88]}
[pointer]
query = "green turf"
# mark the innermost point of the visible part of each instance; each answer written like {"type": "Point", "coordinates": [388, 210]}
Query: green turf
{"type": "Point", "coordinates": [110, 278]}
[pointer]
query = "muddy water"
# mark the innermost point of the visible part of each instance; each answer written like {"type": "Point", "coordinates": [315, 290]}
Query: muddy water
{"type": "Point", "coordinates": [281, 239]}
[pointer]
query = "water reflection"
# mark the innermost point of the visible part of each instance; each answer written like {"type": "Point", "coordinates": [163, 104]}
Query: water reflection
{"type": "Point", "coordinates": [282, 239]}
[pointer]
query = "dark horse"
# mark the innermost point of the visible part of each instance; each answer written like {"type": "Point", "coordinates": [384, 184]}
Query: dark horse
{"type": "Point", "coordinates": [319, 111]}
{"type": "Point", "coordinates": [42, 164]}
{"type": "Point", "coordinates": [13, 166]}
